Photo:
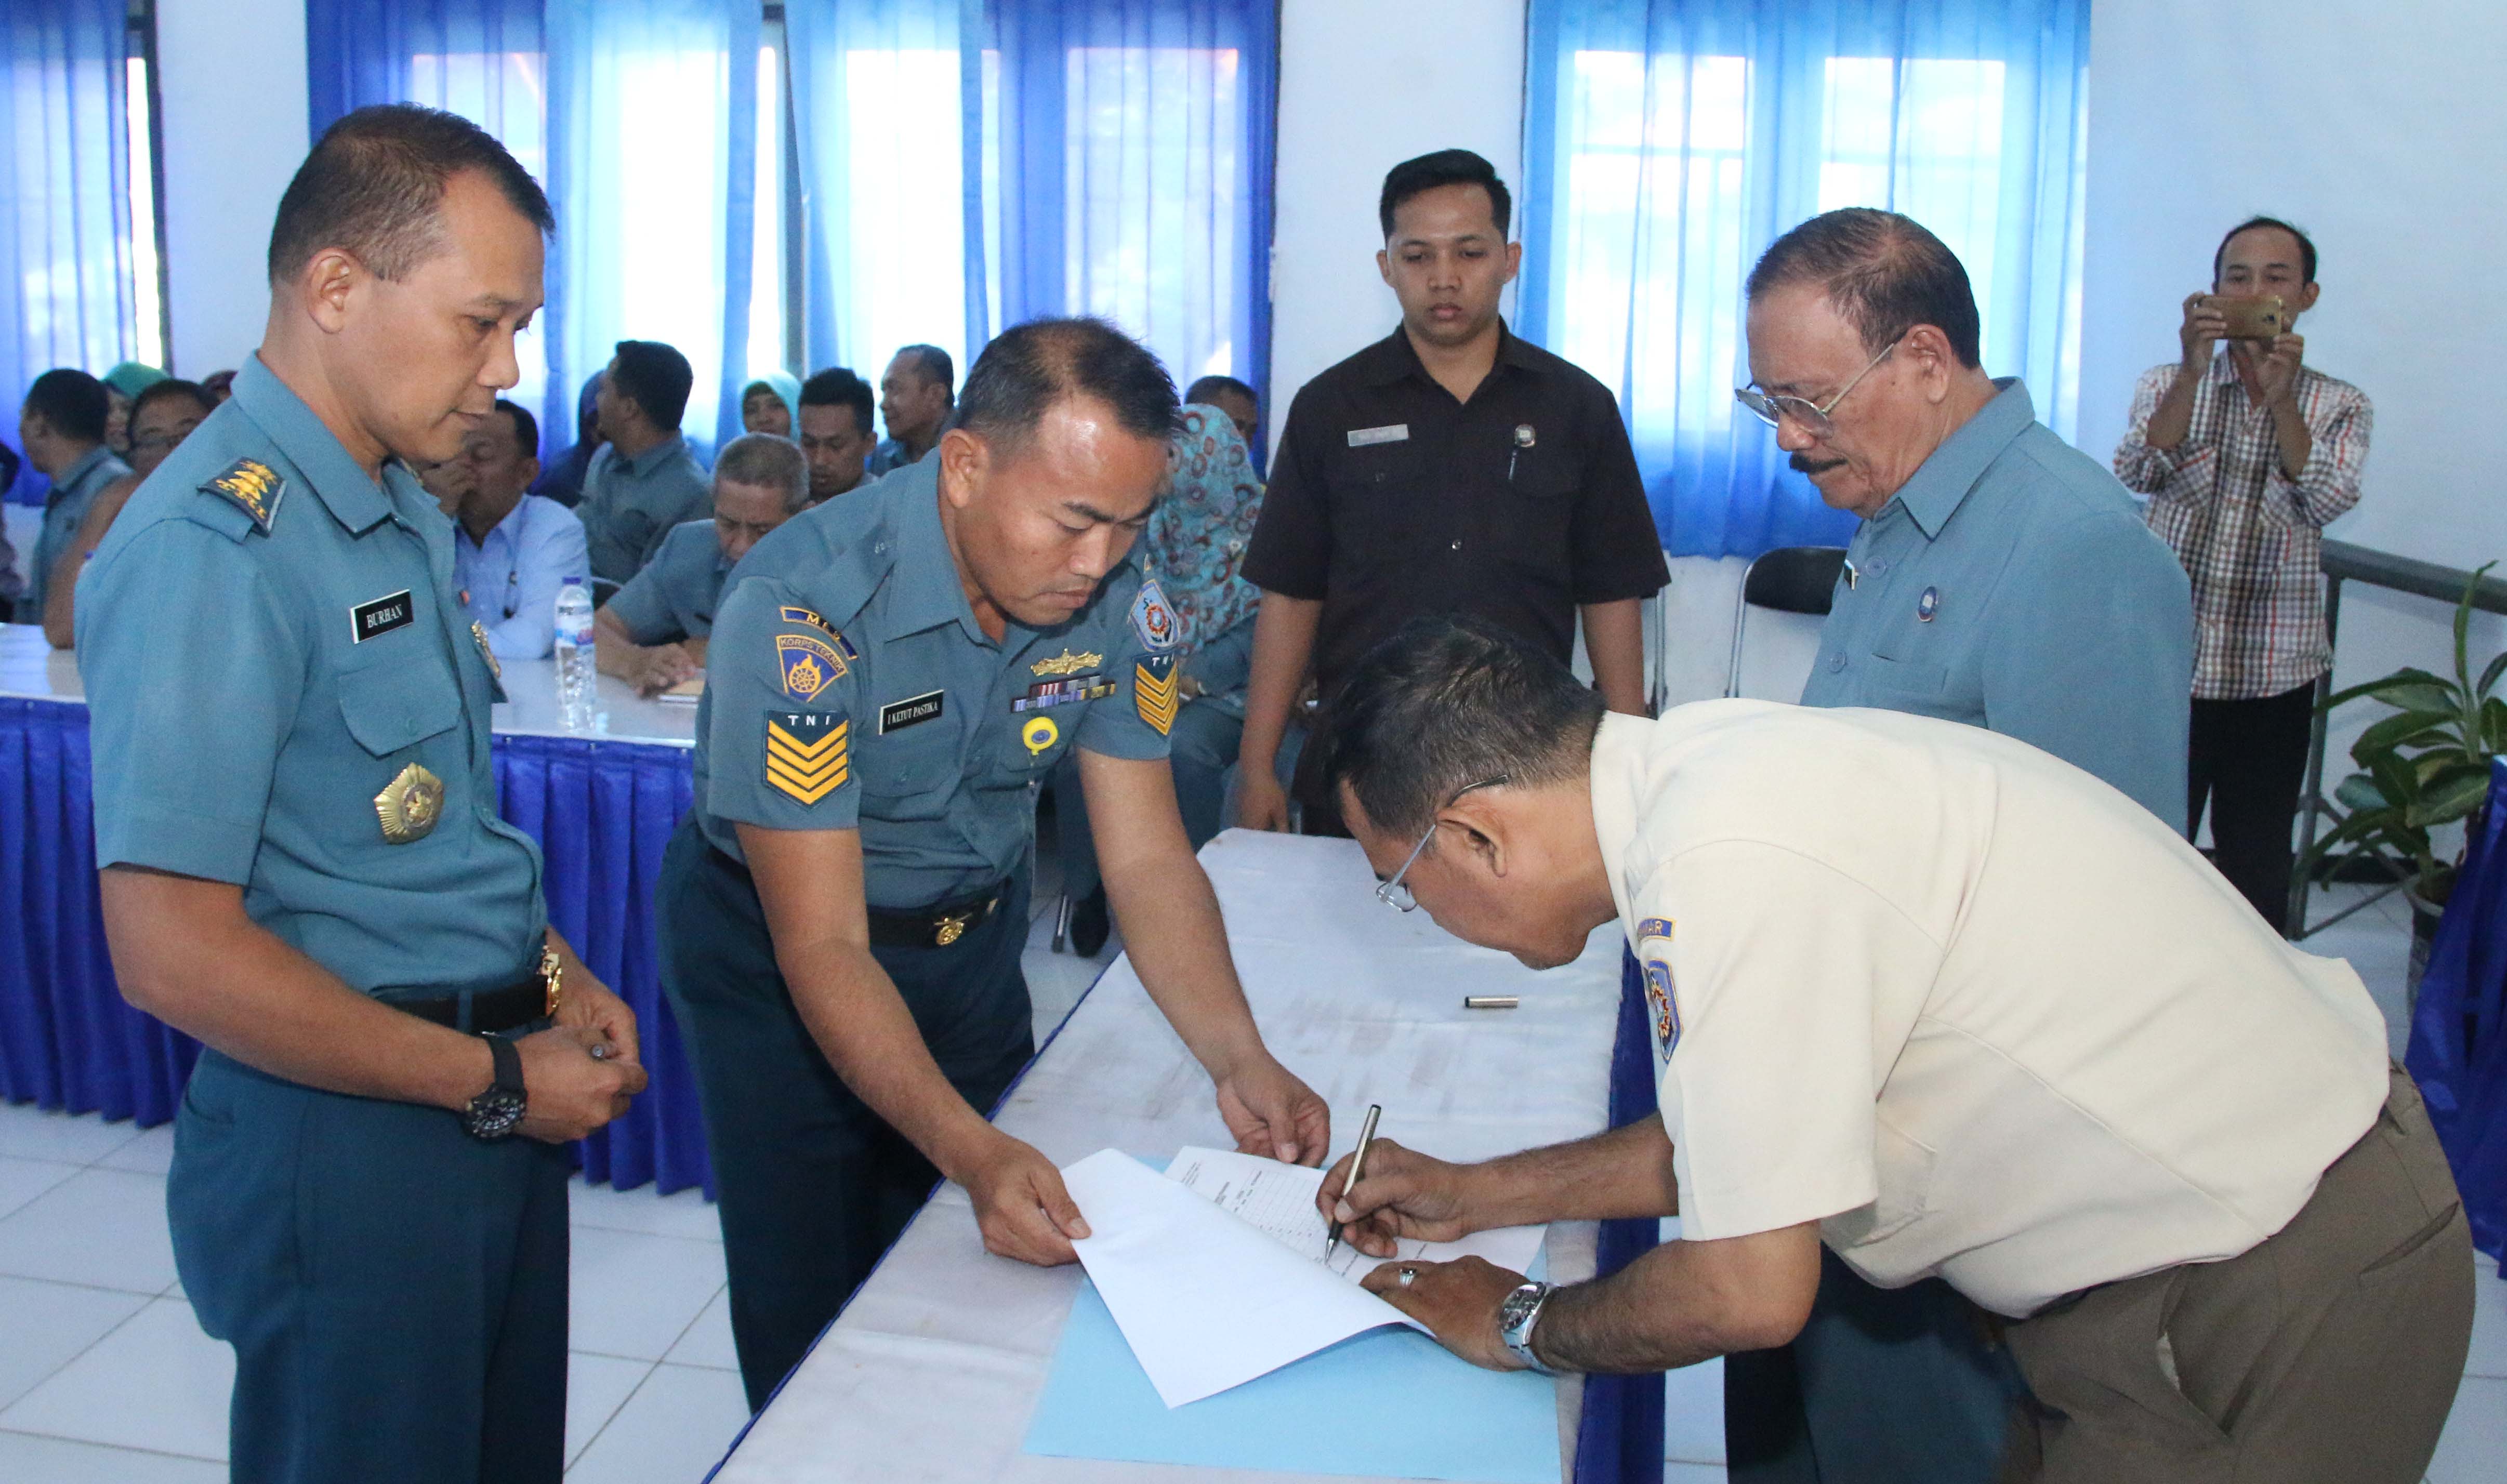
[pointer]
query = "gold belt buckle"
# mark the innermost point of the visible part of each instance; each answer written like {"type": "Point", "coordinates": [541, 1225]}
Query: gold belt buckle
{"type": "Point", "coordinates": [552, 974]}
{"type": "Point", "coordinates": [953, 927]}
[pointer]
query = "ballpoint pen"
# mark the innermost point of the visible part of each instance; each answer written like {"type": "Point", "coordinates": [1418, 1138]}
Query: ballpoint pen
{"type": "Point", "coordinates": [1357, 1167]}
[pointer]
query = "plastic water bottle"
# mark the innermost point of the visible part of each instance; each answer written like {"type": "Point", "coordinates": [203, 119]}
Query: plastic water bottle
{"type": "Point", "coordinates": [574, 656]}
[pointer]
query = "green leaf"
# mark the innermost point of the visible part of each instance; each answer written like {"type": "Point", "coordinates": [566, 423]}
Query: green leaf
{"type": "Point", "coordinates": [2490, 677]}
{"type": "Point", "coordinates": [2453, 798]}
{"type": "Point", "coordinates": [2401, 730]}
{"type": "Point", "coordinates": [2405, 676]}
{"type": "Point", "coordinates": [2359, 791]}
{"type": "Point", "coordinates": [2494, 726]}
{"type": "Point", "coordinates": [2394, 779]}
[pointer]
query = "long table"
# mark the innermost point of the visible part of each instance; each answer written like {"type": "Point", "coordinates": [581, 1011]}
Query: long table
{"type": "Point", "coordinates": [933, 1371]}
{"type": "Point", "coordinates": [601, 805]}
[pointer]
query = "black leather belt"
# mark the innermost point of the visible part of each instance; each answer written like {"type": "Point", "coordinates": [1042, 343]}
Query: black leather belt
{"type": "Point", "coordinates": [937, 926]}
{"type": "Point", "coordinates": [492, 1011]}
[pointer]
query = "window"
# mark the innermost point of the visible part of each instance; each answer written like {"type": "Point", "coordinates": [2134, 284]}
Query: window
{"type": "Point", "coordinates": [1670, 141]}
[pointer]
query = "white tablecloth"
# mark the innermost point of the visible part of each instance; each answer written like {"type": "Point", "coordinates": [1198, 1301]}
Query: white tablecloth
{"type": "Point", "coordinates": [933, 1371]}
{"type": "Point", "coordinates": [30, 667]}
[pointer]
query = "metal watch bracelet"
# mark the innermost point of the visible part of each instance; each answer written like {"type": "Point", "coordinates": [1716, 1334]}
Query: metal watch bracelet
{"type": "Point", "coordinates": [1515, 1318]}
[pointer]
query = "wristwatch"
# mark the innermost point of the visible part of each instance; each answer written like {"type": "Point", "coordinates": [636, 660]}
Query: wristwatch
{"type": "Point", "coordinates": [497, 1112]}
{"type": "Point", "coordinates": [1515, 1318]}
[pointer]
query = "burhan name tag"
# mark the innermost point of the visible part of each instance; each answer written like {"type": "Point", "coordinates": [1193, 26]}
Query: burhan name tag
{"type": "Point", "coordinates": [1368, 437]}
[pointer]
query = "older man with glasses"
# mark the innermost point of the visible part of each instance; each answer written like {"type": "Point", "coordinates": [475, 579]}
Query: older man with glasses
{"type": "Point", "coordinates": [2003, 579]}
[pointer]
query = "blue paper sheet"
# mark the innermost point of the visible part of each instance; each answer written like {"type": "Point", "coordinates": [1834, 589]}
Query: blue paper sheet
{"type": "Point", "coordinates": [1389, 1402]}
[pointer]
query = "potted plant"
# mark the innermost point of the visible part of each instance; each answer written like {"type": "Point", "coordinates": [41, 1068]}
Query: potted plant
{"type": "Point", "coordinates": [2422, 768]}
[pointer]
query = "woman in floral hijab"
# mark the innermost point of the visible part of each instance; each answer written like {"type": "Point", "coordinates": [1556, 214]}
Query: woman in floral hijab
{"type": "Point", "coordinates": [1193, 546]}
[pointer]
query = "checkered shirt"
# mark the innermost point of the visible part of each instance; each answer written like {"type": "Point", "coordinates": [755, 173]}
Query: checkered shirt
{"type": "Point", "coordinates": [2251, 538]}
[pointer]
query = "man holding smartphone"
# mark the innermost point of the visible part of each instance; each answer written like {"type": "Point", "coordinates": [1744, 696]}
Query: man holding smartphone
{"type": "Point", "coordinates": [2247, 453]}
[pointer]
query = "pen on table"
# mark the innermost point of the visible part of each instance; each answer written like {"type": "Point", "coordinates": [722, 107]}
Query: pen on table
{"type": "Point", "coordinates": [1356, 1164]}
{"type": "Point", "coordinates": [1491, 1002]}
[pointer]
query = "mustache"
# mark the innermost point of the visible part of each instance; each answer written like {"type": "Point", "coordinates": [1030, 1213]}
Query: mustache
{"type": "Point", "coordinates": [1802, 464]}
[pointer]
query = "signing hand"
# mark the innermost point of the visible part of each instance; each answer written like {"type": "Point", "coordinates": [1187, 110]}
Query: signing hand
{"type": "Point", "coordinates": [2203, 326]}
{"type": "Point", "coordinates": [1273, 1114]}
{"type": "Point", "coordinates": [1021, 1204]}
{"type": "Point", "coordinates": [1457, 1300]}
{"type": "Point", "coordinates": [568, 1091]}
{"type": "Point", "coordinates": [1402, 1194]}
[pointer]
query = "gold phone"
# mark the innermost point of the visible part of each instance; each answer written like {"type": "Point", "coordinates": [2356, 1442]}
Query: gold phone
{"type": "Point", "coordinates": [2251, 316]}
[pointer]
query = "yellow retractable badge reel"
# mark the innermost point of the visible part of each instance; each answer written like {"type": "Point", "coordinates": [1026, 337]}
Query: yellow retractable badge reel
{"type": "Point", "coordinates": [1040, 733]}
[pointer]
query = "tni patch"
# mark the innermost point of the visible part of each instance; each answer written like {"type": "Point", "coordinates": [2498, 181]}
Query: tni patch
{"type": "Point", "coordinates": [808, 664]}
{"type": "Point", "coordinates": [252, 485]}
{"type": "Point", "coordinates": [807, 753]}
{"type": "Point", "coordinates": [1665, 1008]}
{"type": "Point", "coordinates": [1154, 692]}
{"type": "Point", "coordinates": [1153, 619]}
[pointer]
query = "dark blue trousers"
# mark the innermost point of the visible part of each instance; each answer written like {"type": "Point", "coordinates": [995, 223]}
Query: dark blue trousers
{"type": "Point", "coordinates": [812, 1186]}
{"type": "Point", "coordinates": [1883, 1386]}
{"type": "Point", "coordinates": [395, 1290]}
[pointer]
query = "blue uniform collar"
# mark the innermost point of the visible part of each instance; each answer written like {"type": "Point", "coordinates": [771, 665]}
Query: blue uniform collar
{"type": "Point", "coordinates": [655, 457]}
{"type": "Point", "coordinates": [1941, 484]}
{"type": "Point", "coordinates": [353, 499]}
{"type": "Point", "coordinates": [83, 466]}
{"type": "Point", "coordinates": [928, 591]}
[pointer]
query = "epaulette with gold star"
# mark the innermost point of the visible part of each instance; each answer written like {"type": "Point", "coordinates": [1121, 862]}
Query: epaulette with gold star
{"type": "Point", "coordinates": [253, 485]}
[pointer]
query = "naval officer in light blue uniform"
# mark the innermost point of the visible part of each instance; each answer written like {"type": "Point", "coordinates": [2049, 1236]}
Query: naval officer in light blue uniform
{"type": "Point", "coordinates": [302, 861]}
{"type": "Point", "coordinates": [891, 677]}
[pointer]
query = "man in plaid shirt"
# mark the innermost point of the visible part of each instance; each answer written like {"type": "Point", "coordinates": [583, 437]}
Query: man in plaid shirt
{"type": "Point", "coordinates": [2245, 454]}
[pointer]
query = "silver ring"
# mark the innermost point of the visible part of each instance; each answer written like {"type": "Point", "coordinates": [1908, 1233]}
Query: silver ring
{"type": "Point", "coordinates": [1408, 1276]}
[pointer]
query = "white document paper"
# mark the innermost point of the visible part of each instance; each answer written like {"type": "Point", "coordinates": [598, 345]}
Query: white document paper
{"type": "Point", "coordinates": [1215, 1283]}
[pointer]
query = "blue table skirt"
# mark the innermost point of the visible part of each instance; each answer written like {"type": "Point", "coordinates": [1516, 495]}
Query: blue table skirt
{"type": "Point", "coordinates": [2458, 1046]}
{"type": "Point", "coordinates": [600, 811]}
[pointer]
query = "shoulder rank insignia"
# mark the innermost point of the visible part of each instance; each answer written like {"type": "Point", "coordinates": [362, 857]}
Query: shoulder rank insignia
{"type": "Point", "coordinates": [410, 805]}
{"type": "Point", "coordinates": [1666, 1009]}
{"type": "Point", "coordinates": [1152, 619]}
{"type": "Point", "coordinates": [1154, 693]}
{"type": "Point", "coordinates": [809, 666]}
{"type": "Point", "coordinates": [807, 754]}
{"type": "Point", "coordinates": [252, 485]}
{"type": "Point", "coordinates": [496, 670]}
{"type": "Point", "coordinates": [1066, 662]}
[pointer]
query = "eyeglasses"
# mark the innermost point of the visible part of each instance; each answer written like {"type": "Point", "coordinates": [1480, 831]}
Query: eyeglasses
{"type": "Point", "coordinates": [1770, 406]}
{"type": "Point", "coordinates": [1389, 891]}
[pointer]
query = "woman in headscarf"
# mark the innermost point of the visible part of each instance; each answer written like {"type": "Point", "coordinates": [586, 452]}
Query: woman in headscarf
{"type": "Point", "coordinates": [123, 385]}
{"type": "Point", "coordinates": [1194, 544]}
{"type": "Point", "coordinates": [563, 479]}
{"type": "Point", "coordinates": [771, 404]}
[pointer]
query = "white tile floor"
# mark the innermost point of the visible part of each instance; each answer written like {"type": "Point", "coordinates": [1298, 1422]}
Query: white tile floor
{"type": "Point", "coordinates": [90, 1317]}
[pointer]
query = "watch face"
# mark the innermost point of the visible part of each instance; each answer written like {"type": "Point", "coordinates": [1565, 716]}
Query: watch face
{"type": "Point", "coordinates": [493, 1114]}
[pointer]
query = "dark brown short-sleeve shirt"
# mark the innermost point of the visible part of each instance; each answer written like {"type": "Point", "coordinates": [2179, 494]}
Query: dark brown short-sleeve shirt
{"type": "Point", "coordinates": [1390, 500]}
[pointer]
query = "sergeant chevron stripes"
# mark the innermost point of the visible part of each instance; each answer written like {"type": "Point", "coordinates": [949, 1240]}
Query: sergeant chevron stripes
{"type": "Point", "coordinates": [1154, 693]}
{"type": "Point", "coordinates": [807, 757]}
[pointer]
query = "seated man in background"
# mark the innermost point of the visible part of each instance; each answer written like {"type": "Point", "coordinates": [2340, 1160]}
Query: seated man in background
{"type": "Point", "coordinates": [644, 481]}
{"type": "Point", "coordinates": [561, 477]}
{"type": "Point", "coordinates": [2000, 578]}
{"type": "Point", "coordinates": [916, 395]}
{"type": "Point", "coordinates": [836, 432]}
{"type": "Point", "coordinates": [1192, 549]}
{"type": "Point", "coordinates": [1234, 398]}
{"type": "Point", "coordinates": [653, 634]}
{"type": "Point", "coordinates": [62, 427]}
{"type": "Point", "coordinates": [771, 404]}
{"type": "Point", "coordinates": [162, 417]}
{"type": "Point", "coordinates": [511, 550]}
{"type": "Point", "coordinates": [2246, 454]}
{"type": "Point", "coordinates": [1943, 1004]}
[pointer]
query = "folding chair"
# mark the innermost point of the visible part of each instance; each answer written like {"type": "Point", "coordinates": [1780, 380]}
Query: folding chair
{"type": "Point", "coordinates": [1790, 579]}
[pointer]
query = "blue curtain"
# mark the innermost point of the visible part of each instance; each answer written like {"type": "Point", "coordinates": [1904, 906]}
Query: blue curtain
{"type": "Point", "coordinates": [639, 119]}
{"type": "Point", "coordinates": [1667, 142]}
{"type": "Point", "coordinates": [1102, 156]}
{"type": "Point", "coordinates": [67, 271]}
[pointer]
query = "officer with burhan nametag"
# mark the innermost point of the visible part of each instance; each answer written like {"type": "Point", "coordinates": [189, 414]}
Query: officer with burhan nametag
{"type": "Point", "coordinates": [892, 675]}
{"type": "Point", "coordinates": [302, 861]}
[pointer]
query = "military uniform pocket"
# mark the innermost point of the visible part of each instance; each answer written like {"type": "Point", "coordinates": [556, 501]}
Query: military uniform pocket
{"type": "Point", "coordinates": [389, 707]}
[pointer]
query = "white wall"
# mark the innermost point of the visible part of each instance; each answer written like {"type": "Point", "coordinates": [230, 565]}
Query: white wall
{"type": "Point", "coordinates": [2378, 127]}
{"type": "Point", "coordinates": [231, 82]}
{"type": "Point", "coordinates": [1363, 87]}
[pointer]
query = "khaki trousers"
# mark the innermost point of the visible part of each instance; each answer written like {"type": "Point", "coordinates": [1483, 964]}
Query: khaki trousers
{"type": "Point", "coordinates": [2327, 1354]}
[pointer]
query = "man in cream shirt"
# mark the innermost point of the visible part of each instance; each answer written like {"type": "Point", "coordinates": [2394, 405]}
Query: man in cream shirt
{"type": "Point", "coordinates": [1949, 1006]}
